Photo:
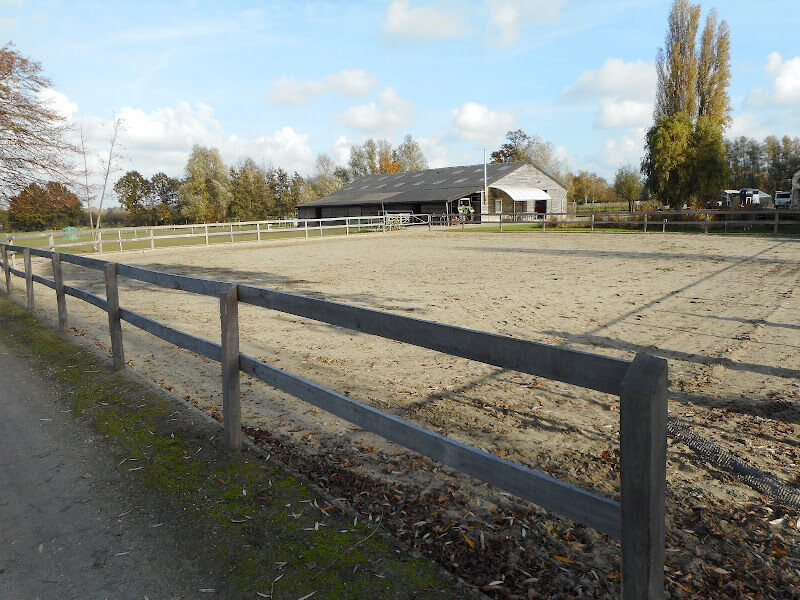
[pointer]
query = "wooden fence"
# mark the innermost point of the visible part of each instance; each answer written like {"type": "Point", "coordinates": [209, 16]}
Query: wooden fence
{"type": "Point", "coordinates": [705, 220]}
{"type": "Point", "coordinates": [151, 237]}
{"type": "Point", "coordinates": [638, 520]}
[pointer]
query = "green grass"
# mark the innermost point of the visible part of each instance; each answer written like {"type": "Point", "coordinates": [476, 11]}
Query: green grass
{"type": "Point", "coordinates": [239, 514]}
{"type": "Point", "coordinates": [111, 239]}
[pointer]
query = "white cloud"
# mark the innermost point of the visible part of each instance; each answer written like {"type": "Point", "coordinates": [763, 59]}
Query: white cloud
{"type": "Point", "coordinates": [616, 78]}
{"type": "Point", "coordinates": [625, 92]}
{"type": "Point", "coordinates": [288, 90]}
{"type": "Point", "coordinates": [58, 102]}
{"type": "Point", "coordinates": [748, 125]}
{"type": "Point", "coordinates": [785, 75]}
{"type": "Point", "coordinates": [623, 113]}
{"type": "Point", "coordinates": [389, 112]}
{"type": "Point", "coordinates": [436, 154]}
{"type": "Point", "coordinates": [478, 123]}
{"type": "Point", "coordinates": [622, 150]}
{"type": "Point", "coordinates": [356, 82]}
{"type": "Point", "coordinates": [160, 140]}
{"type": "Point", "coordinates": [341, 149]}
{"type": "Point", "coordinates": [507, 17]}
{"type": "Point", "coordinates": [421, 23]}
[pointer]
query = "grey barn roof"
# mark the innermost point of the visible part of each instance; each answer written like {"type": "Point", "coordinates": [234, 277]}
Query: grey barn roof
{"type": "Point", "coordinates": [431, 185]}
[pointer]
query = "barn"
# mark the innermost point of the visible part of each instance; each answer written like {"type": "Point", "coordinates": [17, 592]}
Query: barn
{"type": "Point", "coordinates": [513, 188]}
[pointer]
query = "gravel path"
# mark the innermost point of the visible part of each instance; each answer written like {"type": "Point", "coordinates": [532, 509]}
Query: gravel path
{"type": "Point", "coordinates": [66, 530]}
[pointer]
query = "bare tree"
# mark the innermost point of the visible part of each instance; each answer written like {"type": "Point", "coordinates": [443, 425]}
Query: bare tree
{"type": "Point", "coordinates": [33, 136]}
{"type": "Point", "coordinates": [109, 165]}
{"type": "Point", "coordinates": [87, 196]}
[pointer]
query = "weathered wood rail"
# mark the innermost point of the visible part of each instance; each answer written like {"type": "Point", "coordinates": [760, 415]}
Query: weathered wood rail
{"type": "Point", "coordinates": [707, 220]}
{"type": "Point", "coordinates": [637, 520]}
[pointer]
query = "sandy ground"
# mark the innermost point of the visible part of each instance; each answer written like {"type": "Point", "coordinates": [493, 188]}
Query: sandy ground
{"type": "Point", "coordinates": [722, 309]}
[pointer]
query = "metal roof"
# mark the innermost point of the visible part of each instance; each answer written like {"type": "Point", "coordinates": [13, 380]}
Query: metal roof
{"type": "Point", "coordinates": [523, 192]}
{"type": "Point", "coordinates": [431, 185]}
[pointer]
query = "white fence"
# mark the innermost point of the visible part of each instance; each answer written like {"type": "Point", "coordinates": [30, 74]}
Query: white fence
{"type": "Point", "coordinates": [125, 238]}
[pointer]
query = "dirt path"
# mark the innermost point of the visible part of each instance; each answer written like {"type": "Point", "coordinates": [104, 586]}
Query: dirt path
{"type": "Point", "coordinates": [111, 488]}
{"type": "Point", "coordinates": [66, 531]}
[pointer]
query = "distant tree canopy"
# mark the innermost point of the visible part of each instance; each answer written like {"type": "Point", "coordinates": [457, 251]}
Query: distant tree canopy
{"type": "Point", "coordinates": [378, 156]}
{"type": "Point", "coordinates": [148, 201]}
{"type": "Point", "coordinates": [48, 206]}
{"type": "Point", "coordinates": [205, 194]}
{"type": "Point", "coordinates": [520, 146]}
{"type": "Point", "coordinates": [628, 185]}
{"type": "Point", "coordinates": [767, 165]}
{"type": "Point", "coordinates": [685, 158]}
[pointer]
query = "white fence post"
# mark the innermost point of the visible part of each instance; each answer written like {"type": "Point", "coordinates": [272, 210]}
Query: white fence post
{"type": "Point", "coordinates": [305, 226]}
{"type": "Point", "coordinates": [6, 270]}
{"type": "Point", "coordinates": [206, 229]}
{"type": "Point", "coordinates": [114, 323]}
{"type": "Point", "coordinates": [643, 473]}
{"type": "Point", "coordinates": [258, 232]}
{"type": "Point", "coordinates": [119, 236]}
{"type": "Point", "coordinates": [152, 240]}
{"type": "Point", "coordinates": [100, 241]}
{"type": "Point", "coordinates": [347, 226]}
{"type": "Point", "coordinates": [231, 404]}
{"type": "Point", "coordinates": [26, 255]}
{"type": "Point", "coordinates": [51, 244]}
{"type": "Point", "coordinates": [231, 232]}
{"type": "Point", "coordinates": [591, 220]}
{"type": "Point", "coordinates": [61, 299]}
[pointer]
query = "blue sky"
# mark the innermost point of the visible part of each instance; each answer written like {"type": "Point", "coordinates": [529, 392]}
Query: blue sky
{"type": "Point", "coordinates": [285, 81]}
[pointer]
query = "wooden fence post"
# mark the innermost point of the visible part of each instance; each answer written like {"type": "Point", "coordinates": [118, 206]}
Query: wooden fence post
{"type": "Point", "coordinates": [231, 405]}
{"type": "Point", "coordinates": [26, 254]}
{"type": "Point", "coordinates": [152, 240]}
{"type": "Point", "coordinates": [645, 223]}
{"type": "Point", "coordinates": [61, 299]}
{"type": "Point", "coordinates": [501, 221]}
{"type": "Point", "coordinates": [705, 225]}
{"type": "Point", "coordinates": [114, 323]}
{"type": "Point", "coordinates": [544, 221]}
{"type": "Point", "coordinates": [775, 227]}
{"type": "Point", "coordinates": [13, 254]}
{"type": "Point", "coordinates": [591, 220]}
{"type": "Point", "coordinates": [6, 270]}
{"type": "Point", "coordinates": [231, 232]}
{"type": "Point", "coordinates": [643, 468]}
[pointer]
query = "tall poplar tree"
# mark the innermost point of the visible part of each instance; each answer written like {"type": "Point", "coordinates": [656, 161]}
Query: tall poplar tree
{"type": "Point", "coordinates": [684, 157]}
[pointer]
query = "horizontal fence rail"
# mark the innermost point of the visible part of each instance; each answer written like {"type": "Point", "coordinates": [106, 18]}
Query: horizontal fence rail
{"type": "Point", "coordinates": [777, 220]}
{"type": "Point", "coordinates": [142, 238]}
{"type": "Point", "coordinates": [637, 520]}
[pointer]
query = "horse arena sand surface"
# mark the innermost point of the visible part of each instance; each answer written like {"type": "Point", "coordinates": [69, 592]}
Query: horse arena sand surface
{"type": "Point", "coordinates": [722, 309]}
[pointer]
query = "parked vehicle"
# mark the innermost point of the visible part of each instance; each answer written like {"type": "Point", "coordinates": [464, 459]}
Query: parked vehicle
{"type": "Point", "coordinates": [783, 199]}
{"type": "Point", "coordinates": [755, 199]}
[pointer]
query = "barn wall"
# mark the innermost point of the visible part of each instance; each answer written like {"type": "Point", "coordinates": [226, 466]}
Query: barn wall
{"type": "Point", "coordinates": [531, 176]}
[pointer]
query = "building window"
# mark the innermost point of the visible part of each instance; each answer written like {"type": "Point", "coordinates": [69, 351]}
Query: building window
{"type": "Point", "coordinates": [498, 206]}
